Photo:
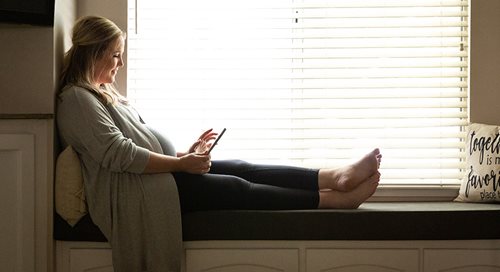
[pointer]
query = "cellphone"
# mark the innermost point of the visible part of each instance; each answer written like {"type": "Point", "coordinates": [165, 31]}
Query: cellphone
{"type": "Point", "coordinates": [216, 140]}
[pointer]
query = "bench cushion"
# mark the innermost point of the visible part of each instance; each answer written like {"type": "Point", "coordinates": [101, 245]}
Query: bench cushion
{"type": "Point", "coordinates": [372, 221]}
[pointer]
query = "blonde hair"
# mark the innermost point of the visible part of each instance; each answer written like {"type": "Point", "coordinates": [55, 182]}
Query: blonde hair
{"type": "Point", "coordinates": [92, 37]}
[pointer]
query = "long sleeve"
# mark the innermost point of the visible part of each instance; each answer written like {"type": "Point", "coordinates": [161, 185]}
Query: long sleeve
{"type": "Point", "coordinates": [86, 124]}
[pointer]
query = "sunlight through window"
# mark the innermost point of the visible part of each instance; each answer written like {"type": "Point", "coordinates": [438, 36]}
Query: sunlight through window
{"type": "Point", "coordinates": [309, 83]}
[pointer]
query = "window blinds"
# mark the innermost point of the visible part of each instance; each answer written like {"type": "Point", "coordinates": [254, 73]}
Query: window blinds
{"type": "Point", "coordinates": [308, 83]}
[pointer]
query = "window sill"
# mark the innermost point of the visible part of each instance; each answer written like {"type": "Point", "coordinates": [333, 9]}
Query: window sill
{"type": "Point", "coordinates": [414, 193]}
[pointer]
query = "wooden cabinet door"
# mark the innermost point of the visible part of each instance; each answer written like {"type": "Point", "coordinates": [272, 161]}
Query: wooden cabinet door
{"type": "Point", "coordinates": [17, 202]}
{"type": "Point", "coordinates": [91, 260]}
{"type": "Point", "coordinates": [362, 260]}
{"type": "Point", "coordinates": [242, 260]}
{"type": "Point", "coordinates": [462, 260]}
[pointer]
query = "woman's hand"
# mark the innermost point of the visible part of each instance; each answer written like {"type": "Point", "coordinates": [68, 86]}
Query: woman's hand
{"type": "Point", "coordinates": [194, 163]}
{"type": "Point", "coordinates": [202, 145]}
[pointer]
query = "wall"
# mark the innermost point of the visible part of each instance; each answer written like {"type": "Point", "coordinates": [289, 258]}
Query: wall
{"type": "Point", "coordinates": [30, 62]}
{"type": "Point", "coordinates": [64, 17]}
{"type": "Point", "coordinates": [484, 61]}
{"type": "Point", "coordinates": [26, 69]}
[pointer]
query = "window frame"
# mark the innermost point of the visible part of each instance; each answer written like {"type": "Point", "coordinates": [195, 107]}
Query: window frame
{"type": "Point", "coordinates": [387, 192]}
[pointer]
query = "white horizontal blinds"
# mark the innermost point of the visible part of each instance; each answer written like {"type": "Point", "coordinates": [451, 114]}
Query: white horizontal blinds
{"type": "Point", "coordinates": [310, 83]}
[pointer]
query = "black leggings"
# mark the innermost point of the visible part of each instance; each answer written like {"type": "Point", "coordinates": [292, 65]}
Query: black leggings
{"type": "Point", "coordinates": [235, 184]}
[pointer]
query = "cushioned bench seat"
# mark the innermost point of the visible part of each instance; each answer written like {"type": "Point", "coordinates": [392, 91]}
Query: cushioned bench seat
{"type": "Point", "coordinates": [372, 221]}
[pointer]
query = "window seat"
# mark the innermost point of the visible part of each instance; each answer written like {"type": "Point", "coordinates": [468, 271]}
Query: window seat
{"type": "Point", "coordinates": [372, 221]}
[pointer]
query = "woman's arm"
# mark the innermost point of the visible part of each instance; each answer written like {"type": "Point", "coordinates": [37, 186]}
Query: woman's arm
{"type": "Point", "coordinates": [190, 163]}
{"type": "Point", "coordinates": [85, 123]}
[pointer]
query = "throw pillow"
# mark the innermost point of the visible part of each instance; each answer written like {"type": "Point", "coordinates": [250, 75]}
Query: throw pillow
{"type": "Point", "coordinates": [481, 182]}
{"type": "Point", "coordinates": [69, 193]}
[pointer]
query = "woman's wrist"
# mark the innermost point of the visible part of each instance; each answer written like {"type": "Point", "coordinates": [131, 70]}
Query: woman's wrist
{"type": "Point", "coordinates": [181, 154]}
{"type": "Point", "coordinates": [159, 163]}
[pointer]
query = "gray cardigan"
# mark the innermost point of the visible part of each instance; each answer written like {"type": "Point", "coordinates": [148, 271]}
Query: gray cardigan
{"type": "Point", "coordinates": [138, 213]}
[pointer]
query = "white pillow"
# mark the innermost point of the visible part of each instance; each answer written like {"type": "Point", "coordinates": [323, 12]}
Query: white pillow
{"type": "Point", "coordinates": [69, 193]}
{"type": "Point", "coordinates": [481, 182]}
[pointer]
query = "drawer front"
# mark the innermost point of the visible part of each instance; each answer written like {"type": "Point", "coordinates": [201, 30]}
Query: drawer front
{"type": "Point", "coordinates": [462, 260]}
{"type": "Point", "coordinates": [362, 260]}
{"type": "Point", "coordinates": [91, 260]}
{"type": "Point", "coordinates": [242, 260]}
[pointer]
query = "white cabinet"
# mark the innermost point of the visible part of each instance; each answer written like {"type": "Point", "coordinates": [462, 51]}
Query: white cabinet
{"type": "Point", "coordinates": [306, 256]}
{"type": "Point", "coordinates": [26, 161]}
{"type": "Point", "coordinates": [17, 197]}
{"type": "Point", "coordinates": [362, 260]}
{"type": "Point", "coordinates": [242, 260]}
{"type": "Point", "coordinates": [100, 260]}
{"type": "Point", "coordinates": [462, 260]}
{"type": "Point", "coordinates": [83, 256]}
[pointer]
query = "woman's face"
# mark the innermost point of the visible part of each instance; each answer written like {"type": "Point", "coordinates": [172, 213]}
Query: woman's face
{"type": "Point", "coordinates": [107, 66]}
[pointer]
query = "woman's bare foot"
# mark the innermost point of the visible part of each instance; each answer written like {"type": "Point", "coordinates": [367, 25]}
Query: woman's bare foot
{"type": "Point", "coordinates": [347, 178]}
{"type": "Point", "coordinates": [332, 199]}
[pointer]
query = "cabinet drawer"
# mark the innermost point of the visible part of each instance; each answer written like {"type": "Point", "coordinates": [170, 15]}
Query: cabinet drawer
{"type": "Point", "coordinates": [91, 260]}
{"type": "Point", "coordinates": [462, 260]}
{"type": "Point", "coordinates": [242, 260]}
{"type": "Point", "coordinates": [362, 260]}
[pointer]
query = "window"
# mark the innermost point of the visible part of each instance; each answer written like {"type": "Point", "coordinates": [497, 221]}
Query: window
{"type": "Point", "coordinates": [309, 83]}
